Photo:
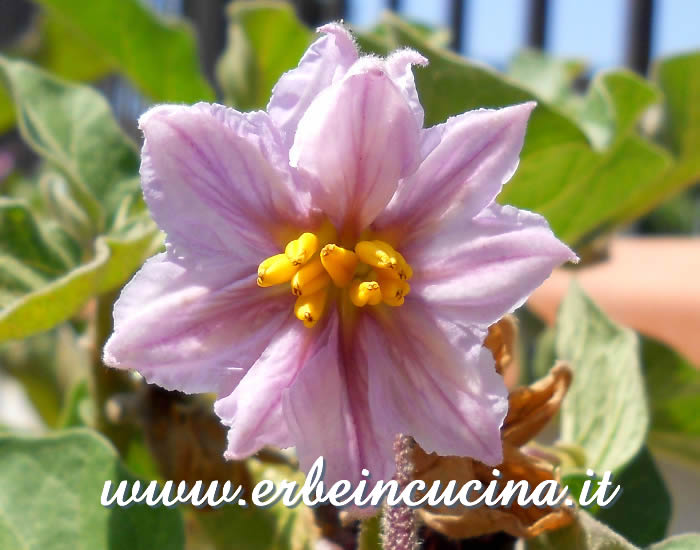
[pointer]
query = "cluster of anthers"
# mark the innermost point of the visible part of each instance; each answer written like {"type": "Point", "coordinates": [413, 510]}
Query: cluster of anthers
{"type": "Point", "coordinates": [374, 273]}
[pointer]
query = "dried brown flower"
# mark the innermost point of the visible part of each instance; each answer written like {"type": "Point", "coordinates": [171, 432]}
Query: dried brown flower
{"type": "Point", "coordinates": [530, 408]}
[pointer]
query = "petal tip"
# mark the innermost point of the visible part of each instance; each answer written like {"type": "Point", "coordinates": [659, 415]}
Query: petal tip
{"type": "Point", "coordinates": [407, 56]}
{"type": "Point", "coordinates": [153, 112]}
{"type": "Point", "coordinates": [108, 356]}
{"type": "Point", "coordinates": [341, 33]}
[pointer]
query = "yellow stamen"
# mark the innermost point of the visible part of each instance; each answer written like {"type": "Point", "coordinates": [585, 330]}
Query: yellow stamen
{"type": "Point", "coordinates": [310, 278]}
{"type": "Point", "coordinates": [375, 254]}
{"type": "Point", "coordinates": [340, 264]}
{"type": "Point", "coordinates": [300, 250]}
{"type": "Point", "coordinates": [309, 307]}
{"type": "Point", "coordinates": [382, 256]}
{"type": "Point", "coordinates": [394, 291]}
{"type": "Point", "coordinates": [373, 273]}
{"type": "Point", "coordinates": [363, 293]}
{"type": "Point", "coordinates": [275, 270]}
{"type": "Point", "coordinates": [404, 267]}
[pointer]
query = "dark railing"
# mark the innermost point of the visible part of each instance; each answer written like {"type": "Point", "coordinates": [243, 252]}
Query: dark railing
{"type": "Point", "coordinates": [208, 18]}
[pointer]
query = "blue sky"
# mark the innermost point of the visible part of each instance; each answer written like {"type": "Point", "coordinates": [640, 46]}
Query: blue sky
{"type": "Point", "coordinates": [591, 29]}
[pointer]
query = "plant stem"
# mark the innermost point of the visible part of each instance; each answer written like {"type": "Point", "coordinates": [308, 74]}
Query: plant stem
{"type": "Point", "coordinates": [105, 382]}
{"type": "Point", "coordinates": [399, 525]}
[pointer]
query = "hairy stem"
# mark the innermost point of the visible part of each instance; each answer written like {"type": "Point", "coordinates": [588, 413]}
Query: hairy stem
{"type": "Point", "coordinates": [399, 525]}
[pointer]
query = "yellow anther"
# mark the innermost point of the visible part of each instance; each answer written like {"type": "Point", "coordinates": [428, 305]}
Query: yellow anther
{"type": "Point", "coordinates": [310, 278]}
{"type": "Point", "coordinates": [393, 291]}
{"type": "Point", "coordinates": [405, 269]}
{"type": "Point", "coordinates": [340, 264]}
{"type": "Point", "coordinates": [381, 255]}
{"type": "Point", "coordinates": [363, 293]}
{"type": "Point", "coordinates": [309, 307]}
{"type": "Point", "coordinates": [376, 254]}
{"type": "Point", "coordinates": [299, 251]}
{"type": "Point", "coordinates": [275, 270]}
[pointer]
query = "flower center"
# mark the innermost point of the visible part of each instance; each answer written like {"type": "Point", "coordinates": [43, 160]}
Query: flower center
{"type": "Point", "coordinates": [372, 274]}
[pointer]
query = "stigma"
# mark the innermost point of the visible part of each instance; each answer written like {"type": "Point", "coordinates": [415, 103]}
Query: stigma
{"type": "Point", "coordinates": [373, 273]}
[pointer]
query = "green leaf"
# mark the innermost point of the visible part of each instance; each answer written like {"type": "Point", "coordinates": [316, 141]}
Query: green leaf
{"type": "Point", "coordinates": [605, 410]}
{"type": "Point", "coordinates": [77, 412]}
{"type": "Point", "coordinates": [370, 534]}
{"type": "Point", "coordinates": [615, 102]}
{"type": "Point", "coordinates": [548, 77]}
{"type": "Point", "coordinates": [158, 56]}
{"type": "Point", "coordinates": [72, 127]}
{"type": "Point", "coordinates": [7, 112]}
{"type": "Point", "coordinates": [66, 54]}
{"type": "Point", "coordinates": [265, 39]}
{"type": "Point", "coordinates": [274, 528]}
{"type": "Point", "coordinates": [62, 53]}
{"type": "Point", "coordinates": [46, 365]}
{"type": "Point", "coordinates": [679, 80]}
{"type": "Point", "coordinates": [41, 283]}
{"type": "Point", "coordinates": [680, 542]}
{"type": "Point", "coordinates": [642, 512]}
{"type": "Point", "coordinates": [584, 534]}
{"type": "Point", "coordinates": [673, 385]}
{"type": "Point", "coordinates": [50, 498]}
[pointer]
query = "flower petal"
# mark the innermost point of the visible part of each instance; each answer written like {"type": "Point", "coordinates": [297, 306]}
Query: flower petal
{"type": "Point", "coordinates": [217, 180]}
{"type": "Point", "coordinates": [355, 142]}
{"type": "Point", "coordinates": [326, 60]}
{"type": "Point", "coordinates": [328, 415]}
{"type": "Point", "coordinates": [480, 269]}
{"type": "Point", "coordinates": [465, 163]}
{"type": "Point", "coordinates": [194, 327]}
{"type": "Point", "coordinates": [432, 379]}
{"type": "Point", "coordinates": [253, 411]}
{"type": "Point", "coordinates": [399, 67]}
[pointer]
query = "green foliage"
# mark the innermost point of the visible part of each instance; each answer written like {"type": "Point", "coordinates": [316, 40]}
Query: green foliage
{"type": "Point", "coordinates": [584, 534]}
{"type": "Point", "coordinates": [50, 496]}
{"type": "Point", "coordinates": [158, 56]}
{"type": "Point", "coordinates": [679, 80]}
{"type": "Point", "coordinates": [89, 149]}
{"type": "Point", "coordinates": [46, 303]}
{"type": "Point", "coordinates": [681, 542]}
{"type": "Point", "coordinates": [642, 511]}
{"type": "Point", "coordinates": [605, 410]}
{"type": "Point", "coordinates": [47, 276]}
{"type": "Point", "coordinates": [274, 528]}
{"type": "Point", "coordinates": [265, 39]}
{"type": "Point", "coordinates": [673, 385]}
{"type": "Point", "coordinates": [370, 534]}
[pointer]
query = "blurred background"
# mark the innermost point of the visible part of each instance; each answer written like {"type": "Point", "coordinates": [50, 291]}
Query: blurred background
{"type": "Point", "coordinates": [594, 35]}
{"type": "Point", "coordinates": [579, 37]}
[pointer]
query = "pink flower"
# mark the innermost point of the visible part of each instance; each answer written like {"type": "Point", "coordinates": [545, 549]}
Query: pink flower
{"type": "Point", "coordinates": [338, 189]}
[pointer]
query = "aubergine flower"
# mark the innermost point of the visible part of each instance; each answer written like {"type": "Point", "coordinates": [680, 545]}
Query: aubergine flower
{"type": "Point", "coordinates": [332, 267]}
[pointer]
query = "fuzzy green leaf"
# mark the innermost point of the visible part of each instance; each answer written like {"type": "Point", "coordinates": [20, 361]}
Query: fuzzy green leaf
{"type": "Point", "coordinates": [72, 127]}
{"type": "Point", "coordinates": [605, 410]}
{"type": "Point", "coordinates": [50, 498]}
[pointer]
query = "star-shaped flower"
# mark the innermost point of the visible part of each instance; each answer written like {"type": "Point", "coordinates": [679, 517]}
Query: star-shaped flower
{"type": "Point", "coordinates": [332, 267]}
